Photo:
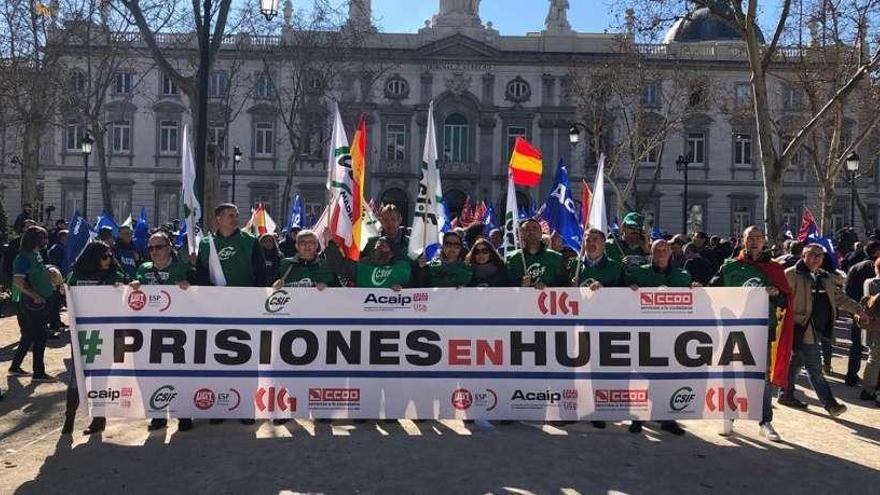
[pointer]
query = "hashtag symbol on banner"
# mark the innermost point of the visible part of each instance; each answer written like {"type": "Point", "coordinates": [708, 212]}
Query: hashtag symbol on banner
{"type": "Point", "coordinates": [90, 344]}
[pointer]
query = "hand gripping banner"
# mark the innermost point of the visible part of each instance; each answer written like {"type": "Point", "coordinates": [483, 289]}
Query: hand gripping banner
{"type": "Point", "coordinates": [555, 354]}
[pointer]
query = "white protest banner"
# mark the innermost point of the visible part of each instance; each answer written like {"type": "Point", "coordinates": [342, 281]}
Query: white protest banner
{"type": "Point", "coordinates": [555, 354]}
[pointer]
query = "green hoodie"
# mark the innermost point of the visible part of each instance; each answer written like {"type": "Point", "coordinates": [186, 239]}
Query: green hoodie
{"type": "Point", "coordinates": [651, 276]}
{"type": "Point", "coordinates": [442, 274]}
{"type": "Point", "coordinates": [545, 267]}
{"type": "Point", "coordinates": [607, 272]}
{"type": "Point", "coordinates": [307, 273]}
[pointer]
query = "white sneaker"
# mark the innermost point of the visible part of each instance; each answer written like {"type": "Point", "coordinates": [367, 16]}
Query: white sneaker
{"type": "Point", "coordinates": [726, 428]}
{"type": "Point", "coordinates": [769, 432]}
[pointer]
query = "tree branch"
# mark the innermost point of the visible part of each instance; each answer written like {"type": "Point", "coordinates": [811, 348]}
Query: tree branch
{"type": "Point", "coordinates": [780, 27]}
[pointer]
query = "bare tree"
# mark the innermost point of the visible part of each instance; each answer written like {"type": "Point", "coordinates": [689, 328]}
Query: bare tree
{"type": "Point", "coordinates": [763, 58]}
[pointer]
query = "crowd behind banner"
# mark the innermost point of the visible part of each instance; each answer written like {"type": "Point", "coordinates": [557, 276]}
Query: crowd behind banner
{"type": "Point", "coordinates": [807, 284]}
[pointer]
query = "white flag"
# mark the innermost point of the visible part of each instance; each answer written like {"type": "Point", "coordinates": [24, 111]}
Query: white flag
{"type": "Point", "coordinates": [369, 226]}
{"type": "Point", "coordinates": [338, 146]}
{"type": "Point", "coordinates": [343, 211]}
{"type": "Point", "coordinates": [428, 216]}
{"type": "Point", "coordinates": [511, 220]}
{"type": "Point", "coordinates": [192, 210]}
{"type": "Point", "coordinates": [597, 204]}
{"type": "Point", "coordinates": [215, 268]}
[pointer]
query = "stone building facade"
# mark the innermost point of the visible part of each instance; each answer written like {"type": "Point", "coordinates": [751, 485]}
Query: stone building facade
{"type": "Point", "coordinates": [487, 88]}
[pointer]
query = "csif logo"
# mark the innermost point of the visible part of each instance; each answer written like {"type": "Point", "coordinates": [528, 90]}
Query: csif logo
{"type": "Point", "coordinates": [226, 253]}
{"type": "Point", "coordinates": [681, 399]}
{"type": "Point", "coordinates": [556, 302]}
{"type": "Point", "coordinates": [277, 301]}
{"type": "Point", "coordinates": [380, 275]}
{"type": "Point", "coordinates": [162, 397]}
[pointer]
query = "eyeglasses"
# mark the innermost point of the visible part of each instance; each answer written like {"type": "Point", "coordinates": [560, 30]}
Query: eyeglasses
{"type": "Point", "coordinates": [107, 256]}
{"type": "Point", "coordinates": [158, 247]}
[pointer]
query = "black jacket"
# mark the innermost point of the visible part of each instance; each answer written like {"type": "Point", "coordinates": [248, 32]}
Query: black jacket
{"type": "Point", "coordinates": [856, 276]}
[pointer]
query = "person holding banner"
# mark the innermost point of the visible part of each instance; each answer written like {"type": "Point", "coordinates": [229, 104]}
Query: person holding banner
{"type": "Point", "coordinates": [32, 287]}
{"type": "Point", "coordinates": [163, 270]}
{"type": "Point", "coordinates": [634, 247]}
{"type": "Point", "coordinates": [271, 255]}
{"type": "Point", "coordinates": [382, 269]}
{"type": "Point", "coordinates": [658, 273]}
{"type": "Point", "coordinates": [306, 268]}
{"type": "Point", "coordinates": [390, 221]}
{"type": "Point", "coordinates": [754, 267]}
{"type": "Point", "coordinates": [815, 301]}
{"type": "Point", "coordinates": [241, 257]}
{"type": "Point", "coordinates": [596, 269]}
{"type": "Point", "coordinates": [487, 266]}
{"type": "Point", "coordinates": [449, 270]}
{"type": "Point", "coordinates": [534, 265]}
{"type": "Point", "coordinates": [94, 266]}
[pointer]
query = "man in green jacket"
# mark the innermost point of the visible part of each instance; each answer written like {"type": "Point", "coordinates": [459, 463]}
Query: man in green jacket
{"type": "Point", "coordinates": [633, 248]}
{"type": "Point", "coordinates": [535, 265]}
{"type": "Point", "coordinates": [240, 253]}
{"type": "Point", "coordinates": [306, 268]}
{"type": "Point", "coordinates": [380, 270]}
{"type": "Point", "coordinates": [390, 220]}
{"type": "Point", "coordinates": [596, 269]}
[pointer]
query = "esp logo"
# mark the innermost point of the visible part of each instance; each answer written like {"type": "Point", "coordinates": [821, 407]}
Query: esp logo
{"type": "Point", "coordinates": [677, 299]}
{"type": "Point", "coordinates": [270, 399]}
{"type": "Point", "coordinates": [554, 302]}
{"type": "Point", "coordinates": [719, 400]}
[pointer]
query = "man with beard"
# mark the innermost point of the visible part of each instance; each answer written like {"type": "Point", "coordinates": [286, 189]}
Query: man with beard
{"type": "Point", "coordinates": [535, 265]}
{"type": "Point", "coordinates": [754, 267]}
{"type": "Point", "coordinates": [596, 269]}
{"type": "Point", "coordinates": [632, 247]}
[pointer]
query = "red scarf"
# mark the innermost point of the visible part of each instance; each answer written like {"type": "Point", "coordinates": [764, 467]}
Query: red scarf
{"type": "Point", "coordinates": [784, 333]}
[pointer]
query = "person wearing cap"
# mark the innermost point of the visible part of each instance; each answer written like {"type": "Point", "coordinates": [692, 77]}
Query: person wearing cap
{"type": "Point", "coordinates": [306, 268]}
{"type": "Point", "coordinates": [535, 265]}
{"type": "Point", "coordinates": [381, 269]}
{"type": "Point", "coordinates": [658, 273]}
{"type": "Point", "coordinates": [391, 221]}
{"type": "Point", "coordinates": [632, 248]}
{"type": "Point", "coordinates": [126, 254]}
{"type": "Point", "coordinates": [448, 269]}
{"type": "Point", "coordinates": [596, 269]}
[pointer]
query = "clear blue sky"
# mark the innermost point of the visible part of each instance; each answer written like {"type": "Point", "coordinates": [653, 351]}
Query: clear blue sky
{"type": "Point", "coordinates": [511, 17]}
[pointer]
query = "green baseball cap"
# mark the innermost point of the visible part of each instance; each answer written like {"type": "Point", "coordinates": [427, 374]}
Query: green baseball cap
{"type": "Point", "coordinates": [633, 219]}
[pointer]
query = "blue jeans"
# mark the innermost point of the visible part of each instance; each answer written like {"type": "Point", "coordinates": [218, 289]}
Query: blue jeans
{"type": "Point", "coordinates": [808, 356]}
{"type": "Point", "coordinates": [855, 351]}
{"type": "Point", "coordinates": [767, 411]}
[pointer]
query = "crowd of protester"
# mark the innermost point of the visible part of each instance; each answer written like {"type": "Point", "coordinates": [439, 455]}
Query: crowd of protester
{"type": "Point", "coordinates": [797, 276]}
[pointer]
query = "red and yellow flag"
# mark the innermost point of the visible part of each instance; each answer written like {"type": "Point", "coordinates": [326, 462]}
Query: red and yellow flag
{"type": "Point", "coordinates": [525, 164]}
{"type": "Point", "coordinates": [586, 199]}
{"type": "Point", "coordinates": [358, 174]}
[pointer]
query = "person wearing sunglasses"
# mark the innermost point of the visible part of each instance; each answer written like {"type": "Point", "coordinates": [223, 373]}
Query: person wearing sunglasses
{"type": "Point", "coordinates": [164, 269]}
{"type": "Point", "coordinates": [535, 265]}
{"type": "Point", "coordinates": [449, 269]}
{"type": "Point", "coordinates": [94, 266]}
{"type": "Point", "coordinates": [487, 266]}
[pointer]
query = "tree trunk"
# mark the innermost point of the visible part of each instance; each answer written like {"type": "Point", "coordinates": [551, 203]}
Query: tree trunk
{"type": "Point", "coordinates": [100, 154]}
{"type": "Point", "coordinates": [826, 203]}
{"type": "Point", "coordinates": [213, 193]}
{"type": "Point", "coordinates": [30, 166]}
{"type": "Point", "coordinates": [288, 184]}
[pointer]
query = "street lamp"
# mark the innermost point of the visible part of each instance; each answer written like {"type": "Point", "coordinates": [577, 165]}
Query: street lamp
{"type": "Point", "coordinates": [681, 164]}
{"type": "Point", "coordinates": [269, 8]}
{"type": "Point", "coordinates": [236, 159]}
{"type": "Point", "coordinates": [86, 147]}
{"type": "Point", "coordinates": [852, 166]}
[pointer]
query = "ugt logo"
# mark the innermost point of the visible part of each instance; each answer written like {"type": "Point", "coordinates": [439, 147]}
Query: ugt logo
{"type": "Point", "coordinates": [558, 303]}
{"type": "Point", "coordinates": [90, 344]}
{"type": "Point", "coordinates": [272, 398]}
{"type": "Point", "coordinates": [717, 400]}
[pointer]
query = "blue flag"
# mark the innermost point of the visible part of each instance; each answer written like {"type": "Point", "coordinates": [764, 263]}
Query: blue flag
{"type": "Point", "coordinates": [141, 231]}
{"type": "Point", "coordinates": [78, 235]}
{"type": "Point", "coordinates": [106, 220]}
{"type": "Point", "coordinates": [655, 233]}
{"type": "Point", "coordinates": [560, 211]}
{"type": "Point", "coordinates": [489, 221]}
{"type": "Point", "coordinates": [295, 218]}
{"type": "Point", "coordinates": [432, 250]}
{"type": "Point", "coordinates": [181, 235]}
{"type": "Point", "coordinates": [615, 227]}
{"type": "Point", "coordinates": [786, 229]}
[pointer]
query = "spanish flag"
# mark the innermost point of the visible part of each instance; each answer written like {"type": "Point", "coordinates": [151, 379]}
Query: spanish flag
{"type": "Point", "coordinates": [358, 173]}
{"type": "Point", "coordinates": [525, 164]}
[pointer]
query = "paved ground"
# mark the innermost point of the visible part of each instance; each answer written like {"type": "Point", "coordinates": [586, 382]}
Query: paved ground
{"type": "Point", "coordinates": [819, 455]}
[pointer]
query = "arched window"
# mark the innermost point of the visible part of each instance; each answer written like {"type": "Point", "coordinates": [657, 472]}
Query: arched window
{"type": "Point", "coordinates": [399, 199]}
{"type": "Point", "coordinates": [455, 138]}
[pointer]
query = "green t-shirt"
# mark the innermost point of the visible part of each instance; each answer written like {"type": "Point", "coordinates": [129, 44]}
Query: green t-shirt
{"type": "Point", "coordinates": [36, 274]}
{"type": "Point", "coordinates": [735, 273]}
{"type": "Point", "coordinates": [109, 277]}
{"type": "Point", "coordinates": [442, 274]}
{"type": "Point", "coordinates": [235, 253]}
{"type": "Point", "coordinates": [400, 248]}
{"type": "Point", "coordinates": [650, 276]}
{"type": "Point", "coordinates": [373, 276]}
{"type": "Point", "coordinates": [607, 272]}
{"type": "Point", "coordinates": [545, 267]}
{"type": "Point", "coordinates": [177, 271]}
{"type": "Point", "coordinates": [636, 256]}
{"type": "Point", "coordinates": [307, 274]}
